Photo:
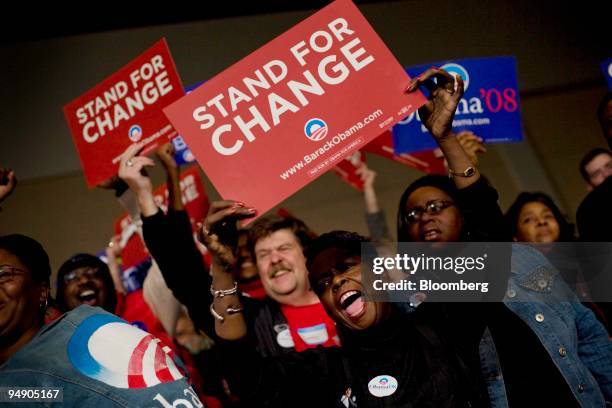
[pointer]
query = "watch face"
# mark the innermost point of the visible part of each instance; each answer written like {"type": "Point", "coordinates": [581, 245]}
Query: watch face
{"type": "Point", "coordinates": [469, 172]}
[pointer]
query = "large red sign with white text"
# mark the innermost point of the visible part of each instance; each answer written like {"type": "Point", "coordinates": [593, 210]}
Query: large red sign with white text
{"type": "Point", "coordinates": [290, 111]}
{"type": "Point", "coordinates": [122, 109]}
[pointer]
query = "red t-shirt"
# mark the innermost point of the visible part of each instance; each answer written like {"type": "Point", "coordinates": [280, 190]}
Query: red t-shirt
{"type": "Point", "coordinates": [310, 326]}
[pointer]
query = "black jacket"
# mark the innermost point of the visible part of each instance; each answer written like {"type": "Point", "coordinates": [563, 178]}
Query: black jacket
{"type": "Point", "coordinates": [423, 353]}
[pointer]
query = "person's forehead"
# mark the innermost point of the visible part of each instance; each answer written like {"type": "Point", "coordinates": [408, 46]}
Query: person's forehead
{"type": "Point", "coordinates": [422, 195]}
{"type": "Point", "coordinates": [329, 258]}
{"type": "Point", "coordinates": [599, 160]}
{"type": "Point", "coordinates": [277, 238]}
{"type": "Point", "coordinates": [534, 206]}
{"type": "Point", "coordinates": [8, 258]}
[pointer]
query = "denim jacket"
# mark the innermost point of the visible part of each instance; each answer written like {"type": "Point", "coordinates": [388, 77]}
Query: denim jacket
{"type": "Point", "coordinates": [99, 360]}
{"type": "Point", "coordinates": [574, 339]}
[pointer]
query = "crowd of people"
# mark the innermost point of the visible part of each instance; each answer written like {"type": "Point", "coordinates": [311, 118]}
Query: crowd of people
{"type": "Point", "coordinates": [272, 314]}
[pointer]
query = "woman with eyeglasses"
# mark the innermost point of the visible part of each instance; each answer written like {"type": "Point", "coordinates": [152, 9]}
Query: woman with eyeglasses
{"type": "Point", "coordinates": [67, 362]}
{"type": "Point", "coordinates": [24, 292]}
{"type": "Point", "coordinates": [536, 338]}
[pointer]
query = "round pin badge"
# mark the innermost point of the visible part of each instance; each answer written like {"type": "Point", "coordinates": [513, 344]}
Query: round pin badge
{"type": "Point", "coordinates": [382, 386]}
{"type": "Point", "coordinates": [284, 339]}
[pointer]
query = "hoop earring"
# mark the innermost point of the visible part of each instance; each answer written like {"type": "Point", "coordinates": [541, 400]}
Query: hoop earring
{"type": "Point", "coordinates": [44, 306]}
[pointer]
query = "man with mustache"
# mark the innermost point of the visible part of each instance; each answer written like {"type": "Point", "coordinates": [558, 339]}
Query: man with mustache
{"type": "Point", "coordinates": [291, 318]}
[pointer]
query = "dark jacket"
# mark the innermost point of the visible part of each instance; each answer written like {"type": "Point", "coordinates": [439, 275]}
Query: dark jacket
{"type": "Point", "coordinates": [418, 359]}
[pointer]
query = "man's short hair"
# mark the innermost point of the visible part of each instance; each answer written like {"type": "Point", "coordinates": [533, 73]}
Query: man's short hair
{"type": "Point", "coordinates": [588, 158]}
{"type": "Point", "coordinates": [267, 225]}
{"type": "Point", "coordinates": [31, 253]}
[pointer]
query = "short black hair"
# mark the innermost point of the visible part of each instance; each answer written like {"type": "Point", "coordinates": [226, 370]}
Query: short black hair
{"type": "Point", "coordinates": [80, 261]}
{"type": "Point", "coordinates": [591, 154]}
{"type": "Point", "coordinates": [345, 240]}
{"type": "Point", "coordinates": [438, 181]}
{"type": "Point", "coordinates": [31, 253]}
{"type": "Point", "coordinates": [349, 242]}
{"type": "Point", "coordinates": [566, 229]}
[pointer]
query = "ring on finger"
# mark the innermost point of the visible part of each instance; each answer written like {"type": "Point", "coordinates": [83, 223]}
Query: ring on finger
{"type": "Point", "coordinates": [129, 163]}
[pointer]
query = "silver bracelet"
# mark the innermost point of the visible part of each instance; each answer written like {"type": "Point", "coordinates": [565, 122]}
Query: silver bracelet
{"type": "Point", "coordinates": [224, 292]}
{"type": "Point", "coordinates": [230, 311]}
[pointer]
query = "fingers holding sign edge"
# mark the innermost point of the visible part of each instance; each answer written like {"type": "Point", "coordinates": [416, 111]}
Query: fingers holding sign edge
{"type": "Point", "coordinates": [450, 83]}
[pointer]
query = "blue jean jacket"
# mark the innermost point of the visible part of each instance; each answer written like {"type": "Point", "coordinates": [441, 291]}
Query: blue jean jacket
{"type": "Point", "coordinates": [98, 360]}
{"type": "Point", "coordinates": [574, 339]}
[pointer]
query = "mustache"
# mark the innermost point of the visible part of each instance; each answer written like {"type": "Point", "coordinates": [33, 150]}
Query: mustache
{"type": "Point", "coordinates": [277, 268]}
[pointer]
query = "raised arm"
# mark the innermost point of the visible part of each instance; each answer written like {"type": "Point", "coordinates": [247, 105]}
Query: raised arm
{"type": "Point", "coordinates": [483, 218]}
{"type": "Point", "coordinates": [8, 182]}
{"type": "Point", "coordinates": [165, 154]}
{"type": "Point", "coordinates": [219, 234]}
{"type": "Point", "coordinates": [437, 116]}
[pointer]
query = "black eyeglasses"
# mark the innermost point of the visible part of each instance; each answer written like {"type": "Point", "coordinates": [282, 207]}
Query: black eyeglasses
{"type": "Point", "coordinates": [415, 214]}
{"type": "Point", "coordinates": [325, 279]}
{"type": "Point", "coordinates": [8, 273]}
{"type": "Point", "coordinates": [78, 273]}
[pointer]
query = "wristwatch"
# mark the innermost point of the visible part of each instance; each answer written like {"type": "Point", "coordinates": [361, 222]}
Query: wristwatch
{"type": "Point", "coordinates": [469, 172]}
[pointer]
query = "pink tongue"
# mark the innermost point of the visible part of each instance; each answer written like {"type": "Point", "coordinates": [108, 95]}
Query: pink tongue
{"type": "Point", "coordinates": [355, 307]}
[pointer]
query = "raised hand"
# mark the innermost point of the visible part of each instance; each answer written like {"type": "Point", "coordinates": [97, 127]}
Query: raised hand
{"type": "Point", "coordinates": [219, 232]}
{"type": "Point", "coordinates": [438, 113]}
{"type": "Point", "coordinates": [165, 153]}
{"type": "Point", "coordinates": [472, 145]}
{"type": "Point", "coordinates": [131, 169]}
{"type": "Point", "coordinates": [8, 182]}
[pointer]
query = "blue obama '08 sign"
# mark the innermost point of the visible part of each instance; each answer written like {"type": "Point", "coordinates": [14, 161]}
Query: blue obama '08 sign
{"type": "Point", "coordinates": [490, 106]}
{"type": "Point", "coordinates": [606, 67]}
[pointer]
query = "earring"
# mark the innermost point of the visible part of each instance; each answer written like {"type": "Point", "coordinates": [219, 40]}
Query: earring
{"type": "Point", "coordinates": [43, 306]}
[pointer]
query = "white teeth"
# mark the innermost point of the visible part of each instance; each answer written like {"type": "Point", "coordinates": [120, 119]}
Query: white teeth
{"type": "Point", "coordinates": [279, 273]}
{"type": "Point", "coordinates": [87, 292]}
{"type": "Point", "coordinates": [346, 295]}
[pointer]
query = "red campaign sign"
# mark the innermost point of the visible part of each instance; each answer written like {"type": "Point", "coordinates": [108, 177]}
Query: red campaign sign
{"type": "Point", "coordinates": [122, 109]}
{"type": "Point", "coordinates": [290, 111]}
{"type": "Point", "coordinates": [193, 195]}
{"type": "Point", "coordinates": [196, 204]}
{"type": "Point", "coordinates": [427, 161]}
{"type": "Point", "coordinates": [347, 169]}
{"type": "Point", "coordinates": [134, 251]}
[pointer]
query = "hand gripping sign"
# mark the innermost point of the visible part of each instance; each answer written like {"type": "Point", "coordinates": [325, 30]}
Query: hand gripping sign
{"type": "Point", "coordinates": [490, 106]}
{"type": "Point", "coordinates": [122, 109]}
{"type": "Point", "coordinates": [293, 109]}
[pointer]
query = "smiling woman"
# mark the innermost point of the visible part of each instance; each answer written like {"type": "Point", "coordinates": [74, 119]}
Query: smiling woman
{"type": "Point", "coordinates": [24, 291]}
{"type": "Point", "coordinates": [85, 279]}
